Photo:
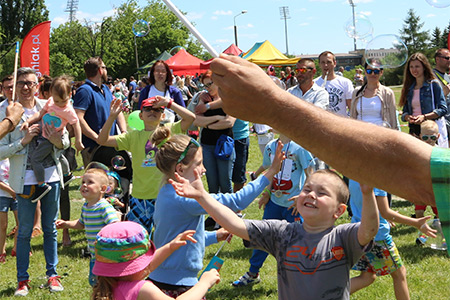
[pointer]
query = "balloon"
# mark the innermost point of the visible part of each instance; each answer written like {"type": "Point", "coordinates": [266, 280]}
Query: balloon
{"type": "Point", "coordinates": [362, 27]}
{"type": "Point", "coordinates": [140, 28]}
{"type": "Point", "coordinates": [386, 51]}
{"type": "Point", "coordinates": [118, 163]}
{"type": "Point", "coordinates": [175, 50]}
{"type": "Point", "coordinates": [439, 3]}
{"type": "Point", "coordinates": [134, 122]}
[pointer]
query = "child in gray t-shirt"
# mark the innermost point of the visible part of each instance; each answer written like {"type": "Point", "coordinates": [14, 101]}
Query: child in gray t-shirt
{"type": "Point", "coordinates": [313, 258]}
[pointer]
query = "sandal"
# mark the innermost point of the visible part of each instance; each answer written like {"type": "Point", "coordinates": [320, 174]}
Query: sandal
{"type": "Point", "coordinates": [36, 232]}
{"type": "Point", "coordinates": [3, 258]}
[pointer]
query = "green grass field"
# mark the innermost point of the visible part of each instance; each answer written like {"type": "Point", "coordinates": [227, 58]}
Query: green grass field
{"type": "Point", "coordinates": [428, 270]}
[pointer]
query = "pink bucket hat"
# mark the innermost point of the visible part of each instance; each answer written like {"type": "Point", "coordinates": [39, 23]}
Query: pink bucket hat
{"type": "Point", "coordinates": [122, 249]}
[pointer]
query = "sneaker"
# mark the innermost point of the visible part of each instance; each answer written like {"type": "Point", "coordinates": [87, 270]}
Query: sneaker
{"type": "Point", "coordinates": [421, 240]}
{"type": "Point", "coordinates": [54, 284]}
{"type": "Point", "coordinates": [247, 279]}
{"type": "Point", "coordinates": [40, 192]}
{"type": "Point", "coordinates": [22, 289]}
{"type": "Point", "coordinates": [68, 179]}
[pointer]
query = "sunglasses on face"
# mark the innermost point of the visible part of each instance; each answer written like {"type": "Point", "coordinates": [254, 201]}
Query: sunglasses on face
{"type": "Point", "coordinates": [207, 85]}
{"type": "Point", "coordinates": [304, 70]}
{"type": "Point", "coordinates": [445, 57]}
{"type": "Point", "coordinates": [29, 84]}
{"type": "Point", "coordinates": [432, 137]}
{"type": "Point", "coordinates": [376, 71]}
{"type": "Point", "coordinates": [183, 155]}
{"type": "Point", "coordinates": [155, 109]}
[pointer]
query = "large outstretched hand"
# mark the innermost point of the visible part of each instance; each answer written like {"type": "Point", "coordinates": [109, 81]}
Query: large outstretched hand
{"type": "Point", "coordinates": [188, 189]}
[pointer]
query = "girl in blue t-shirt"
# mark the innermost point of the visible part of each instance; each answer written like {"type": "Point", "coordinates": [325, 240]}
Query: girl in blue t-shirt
{"type": "Point", "coordinates": [182, 156]}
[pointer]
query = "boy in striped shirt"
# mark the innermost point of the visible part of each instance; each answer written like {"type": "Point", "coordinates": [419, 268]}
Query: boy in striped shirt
{"type": "Point", "coordinates": [96, 212]}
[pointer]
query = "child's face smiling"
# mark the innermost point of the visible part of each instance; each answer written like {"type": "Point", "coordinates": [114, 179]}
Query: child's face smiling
{"type": "Point", "coordinates": [91, 187]}
{"type": "Point", "coordinates": [317, 201]}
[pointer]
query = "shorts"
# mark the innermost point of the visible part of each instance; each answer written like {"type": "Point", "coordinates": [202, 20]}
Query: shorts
{"type": "Point", "coordinates": [383, 259]}
{"type": "Point", "coordinates": [7, 203]}
{"type": "Point", "coordinates": [240, 162]}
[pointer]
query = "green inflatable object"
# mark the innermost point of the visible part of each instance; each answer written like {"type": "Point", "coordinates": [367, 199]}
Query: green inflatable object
{"type": "Point", "coordinates": [134, 122]}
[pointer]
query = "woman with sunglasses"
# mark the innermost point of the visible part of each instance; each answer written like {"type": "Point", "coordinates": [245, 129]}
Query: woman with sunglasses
{"type": "Point", "coordinates": [214, 122]}
{"type": "Point", "coordinates": [181, 157]}
{"type": "Point", "coordinates": [160, 84]}
{"type": "Point", "coordinates": [422, 97]}
{"type": "Point", "coordinates": [374, 103]}
{"type": "Point", "coordinates": [141, 144]}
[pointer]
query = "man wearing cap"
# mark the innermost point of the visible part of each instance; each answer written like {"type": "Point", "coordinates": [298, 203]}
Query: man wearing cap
{"type": "Point", "coordinates": [91, 102]}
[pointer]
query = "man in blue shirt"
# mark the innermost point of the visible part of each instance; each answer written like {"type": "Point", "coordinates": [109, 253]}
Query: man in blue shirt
{"type": "Point", "coordinates": [91, 102]}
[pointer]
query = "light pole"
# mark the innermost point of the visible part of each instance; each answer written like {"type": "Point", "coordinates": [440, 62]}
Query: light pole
{"type": "Point", "coordinates": [354, 23]}
{"type": "Point", "coordinates": [284, 13]}
{"type": "Point", "coordinates": [235, 27]}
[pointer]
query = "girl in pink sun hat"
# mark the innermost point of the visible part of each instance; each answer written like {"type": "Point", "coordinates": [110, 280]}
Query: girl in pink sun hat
{"type": "Point", "coordinates": [125, 256]}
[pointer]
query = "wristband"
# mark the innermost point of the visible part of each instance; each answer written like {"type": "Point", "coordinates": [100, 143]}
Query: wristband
{"type": "Point", "coordinates": [425, 117]}
{"type": "Point", "coordinates": [267, 190]}
{"type": "Point", "coordinates": [170, 103]}
{"type": "Point", "coordinates": [12, 123]}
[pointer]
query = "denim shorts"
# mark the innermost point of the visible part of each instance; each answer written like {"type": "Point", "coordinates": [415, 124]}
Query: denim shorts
{"type": "Point", "coordinates": [7, 203]}
{"type": "Point", "coordinates": [240, 162]}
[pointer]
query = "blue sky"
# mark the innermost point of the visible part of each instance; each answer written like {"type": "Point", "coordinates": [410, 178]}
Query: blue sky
{"type": "Point", "coordinates": [314, 25]}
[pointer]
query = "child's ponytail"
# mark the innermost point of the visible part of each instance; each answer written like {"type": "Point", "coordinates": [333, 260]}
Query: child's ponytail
{"type": "Point", "coordinates": [160, 136]}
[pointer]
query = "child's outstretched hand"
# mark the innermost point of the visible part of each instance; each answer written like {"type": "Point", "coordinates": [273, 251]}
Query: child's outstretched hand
{"type": "Point", "coordinates": [365, 189]}
{"type": "Point", "coordinates": [79, 146]}
{"type": "Point", "coordinates": [115, 107]}
{"type": "Point", "coordinates": [181, 239]}
{"type": "Point", "coordinates": [210, 277]}
{"type": "Point", "coordinates": [277, 161]}
{"type": "Point", "coordinates": [24, 126]}
{"type": "Point", "coordinates": [423, 226]}
{"type": "Point", "coordinates": [293, 205]}
{"type": "Point", "coordinates": [60, 224]}
{"type": "Point", "coordinates": [188, 189]}
{"type": "Point", "coordinates": [263, 200]}
{"type": "Point", "coordinates": [222, 234]}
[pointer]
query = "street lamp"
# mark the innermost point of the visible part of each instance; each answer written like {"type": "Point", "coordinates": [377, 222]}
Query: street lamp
{"type": "Point", "coordinates": [235, 27]}
{"type": "Point", "coordinates": [352, 4]}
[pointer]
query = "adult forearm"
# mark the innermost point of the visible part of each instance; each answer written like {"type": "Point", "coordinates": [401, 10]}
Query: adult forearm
{"type": "Point", "coordinates": [370, 154]}
{"type": "Point", "coordinates": [385, 158]}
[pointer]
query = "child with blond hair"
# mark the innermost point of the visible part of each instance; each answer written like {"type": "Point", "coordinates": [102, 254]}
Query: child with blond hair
{"type": "Point", "coordinates": [96, 211]}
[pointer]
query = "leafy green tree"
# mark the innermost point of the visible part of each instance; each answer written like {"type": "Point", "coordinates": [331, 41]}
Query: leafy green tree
{"type": "Point", "coordinates": [17, 17]}
{"type": "Point", "coordinates": [415, 39]}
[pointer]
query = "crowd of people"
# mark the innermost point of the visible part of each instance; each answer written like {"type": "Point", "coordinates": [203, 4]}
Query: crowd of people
{"type": "Point", "coordinates": [145, 222]}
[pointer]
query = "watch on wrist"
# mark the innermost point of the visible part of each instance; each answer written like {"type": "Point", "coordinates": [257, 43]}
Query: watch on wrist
{"type": "Point", "coordinates": [208, 106]}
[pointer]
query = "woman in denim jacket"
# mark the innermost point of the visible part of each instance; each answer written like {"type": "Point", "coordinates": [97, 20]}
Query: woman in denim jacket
{"type": "Point", "coordinates": [422, 97]}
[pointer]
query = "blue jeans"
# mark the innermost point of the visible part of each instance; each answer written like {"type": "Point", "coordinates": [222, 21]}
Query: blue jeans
{"type": "Point", "coordinates": [26, 210]}
{"type": "Point", "coordinates": [272, 211]}
{"type": "Point", "coordinates": [218, 172]}
{"type": "Point", "coordinates": [241, 148]}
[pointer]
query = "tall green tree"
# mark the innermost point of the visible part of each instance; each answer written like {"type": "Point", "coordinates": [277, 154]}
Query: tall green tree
{"type": "Point", "coordinates": [17, 17]}
{"type": "Point", "coordinates": [412, 34]}
{"type": "Point", "coordinates": [436, 38]}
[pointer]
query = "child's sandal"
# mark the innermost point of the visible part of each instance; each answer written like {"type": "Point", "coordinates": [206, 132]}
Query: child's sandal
{"type": "Point", "coordinates": [3, 258]}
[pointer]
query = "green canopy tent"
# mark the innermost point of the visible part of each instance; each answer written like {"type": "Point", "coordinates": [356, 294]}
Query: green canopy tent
{"type": "Point", "coordinates": [145, 68]}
